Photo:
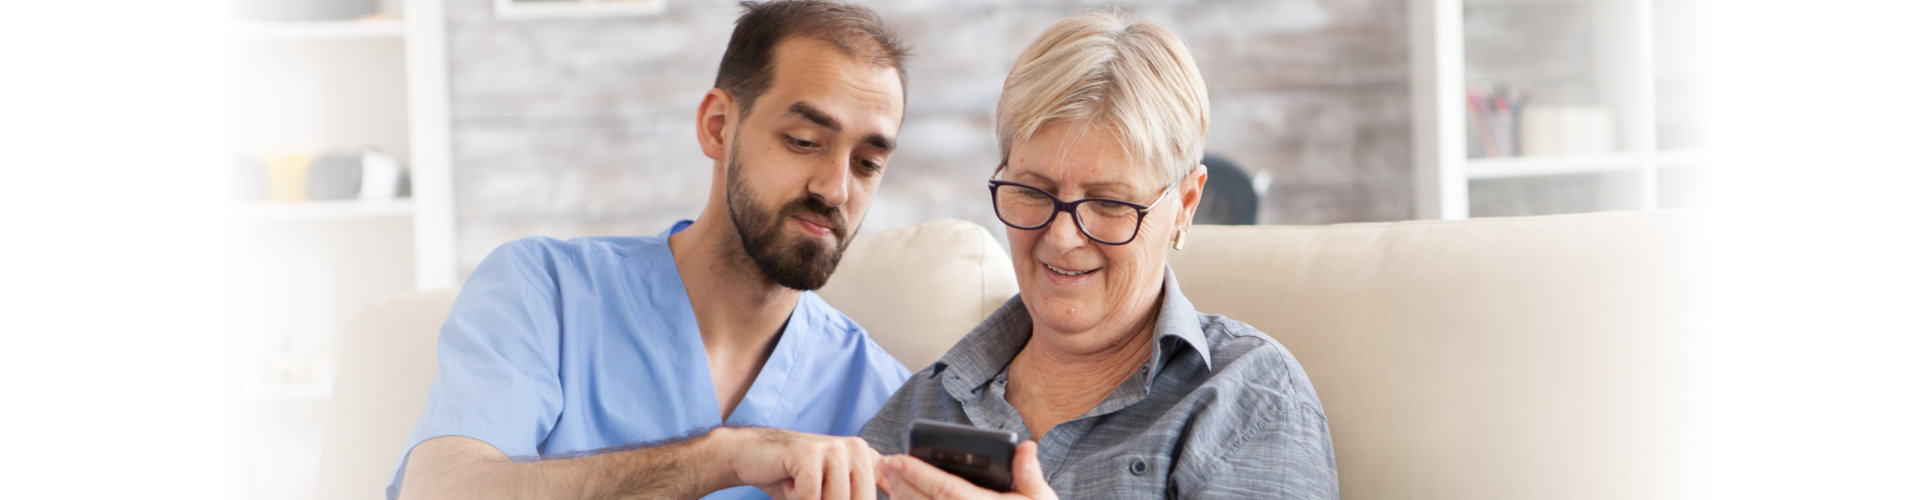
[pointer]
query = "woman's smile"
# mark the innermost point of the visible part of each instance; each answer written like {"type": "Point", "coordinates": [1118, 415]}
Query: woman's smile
{"type": "Point", "coordinates": [1068, 276]}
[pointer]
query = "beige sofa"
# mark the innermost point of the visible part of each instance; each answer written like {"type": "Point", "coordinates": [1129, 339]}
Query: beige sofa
{"type": "Point", "coordinates": [1514, 358]}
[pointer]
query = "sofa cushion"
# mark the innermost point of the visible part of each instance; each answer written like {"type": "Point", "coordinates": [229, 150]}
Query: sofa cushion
{"type": "Point", "coordinates": [384, 366]}
{"type": "Point", "coordinates": [919, 289]}
{"type": "Point", "coordinates": [1513, 358]}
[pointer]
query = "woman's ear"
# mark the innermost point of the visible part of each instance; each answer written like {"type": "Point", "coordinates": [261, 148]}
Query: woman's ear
{"type": "Point", "coordinates": [1192, 187]}
{"type": "Point", "coordinates": [715, 115]}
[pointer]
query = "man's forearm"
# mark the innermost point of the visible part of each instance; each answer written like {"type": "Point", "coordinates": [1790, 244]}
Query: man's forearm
{"type": "Point", "coordinates": [466, 468]}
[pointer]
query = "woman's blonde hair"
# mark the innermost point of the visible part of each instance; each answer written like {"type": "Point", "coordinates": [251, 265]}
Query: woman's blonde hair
{"type": "Point", "coordinates": [1103, 67]}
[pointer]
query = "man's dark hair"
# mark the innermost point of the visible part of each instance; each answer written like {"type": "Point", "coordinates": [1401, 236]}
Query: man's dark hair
{"type": "Point", "coordinates": [746, 69]}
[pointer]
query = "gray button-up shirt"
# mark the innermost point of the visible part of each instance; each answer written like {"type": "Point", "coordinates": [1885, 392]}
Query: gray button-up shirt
{"type": "Point", "coordinates": [1220, 410]}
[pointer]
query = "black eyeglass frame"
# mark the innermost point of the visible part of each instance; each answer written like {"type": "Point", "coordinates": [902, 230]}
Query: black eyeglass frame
{"type": "Point", "coordinates": [1140, 211]}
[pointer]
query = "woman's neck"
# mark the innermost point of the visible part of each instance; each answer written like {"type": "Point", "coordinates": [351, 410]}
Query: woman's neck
{"type": "Point", "coordinates": [1049, 386]}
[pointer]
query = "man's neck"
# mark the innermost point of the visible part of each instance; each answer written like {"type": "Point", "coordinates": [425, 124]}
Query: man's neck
{"type": "Point", "coordinates": [738, 310]}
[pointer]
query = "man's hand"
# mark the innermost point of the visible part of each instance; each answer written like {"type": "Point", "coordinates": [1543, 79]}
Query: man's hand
{"type": "Point", "coordinates": [793, 465]}
{"type": "Point", "coordinates": [908, 478]}
{"type": "Point", "coordinates": [785, 464]}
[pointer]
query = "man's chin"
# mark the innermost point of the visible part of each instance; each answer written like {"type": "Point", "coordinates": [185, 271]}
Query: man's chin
{"type": "Point", "coordinates": [803, 269]}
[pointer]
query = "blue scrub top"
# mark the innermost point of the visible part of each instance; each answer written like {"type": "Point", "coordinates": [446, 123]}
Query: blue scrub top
{"type": "Point", "coordinates": [555, 347]}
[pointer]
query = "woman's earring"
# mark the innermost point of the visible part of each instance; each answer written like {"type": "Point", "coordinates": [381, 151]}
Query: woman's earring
{"type": "Point", "coordinates": [1180, 239]}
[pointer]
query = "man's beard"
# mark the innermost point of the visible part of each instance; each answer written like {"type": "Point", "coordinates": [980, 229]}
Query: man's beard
{"type": "Point", "coordinates": [798, 265]}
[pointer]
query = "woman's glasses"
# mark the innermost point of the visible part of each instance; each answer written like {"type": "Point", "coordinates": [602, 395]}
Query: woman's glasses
{"type": "Point", "coordinates": [1105, 221]}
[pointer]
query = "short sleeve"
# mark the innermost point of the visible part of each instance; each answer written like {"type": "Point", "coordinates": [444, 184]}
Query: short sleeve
{"type": "Point", "coordinates": [497, 357]}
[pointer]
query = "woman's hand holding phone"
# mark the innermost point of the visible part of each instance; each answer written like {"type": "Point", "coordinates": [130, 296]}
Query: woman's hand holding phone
{"type": "Point", "coordinates": [906, 478]}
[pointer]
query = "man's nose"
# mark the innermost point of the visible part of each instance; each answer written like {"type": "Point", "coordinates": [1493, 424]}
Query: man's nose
{"type": "Point", "coordinates": [831, 181]}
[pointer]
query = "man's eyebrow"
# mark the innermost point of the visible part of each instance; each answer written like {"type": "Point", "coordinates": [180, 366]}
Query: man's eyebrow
{"type": "Point", "coordinates": [881, 142]}
{"type": "Point", "coordinates": [813, 115]}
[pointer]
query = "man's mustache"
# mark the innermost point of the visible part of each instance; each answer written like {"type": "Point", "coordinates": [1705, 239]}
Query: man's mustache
{"type": "Point", "coordinates": [811, 205]}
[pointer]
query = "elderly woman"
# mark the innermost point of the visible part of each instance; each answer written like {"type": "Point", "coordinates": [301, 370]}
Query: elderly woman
{"type": "Point", "coordinates": [1125, 389]}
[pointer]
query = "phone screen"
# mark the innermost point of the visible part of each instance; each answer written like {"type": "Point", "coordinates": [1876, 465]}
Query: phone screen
{"type": "Point", "coordinates": [981, 456]}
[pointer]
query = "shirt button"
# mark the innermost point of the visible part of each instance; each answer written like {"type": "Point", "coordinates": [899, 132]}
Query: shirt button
{"type": "Point", "coordinates": [1139, 467]}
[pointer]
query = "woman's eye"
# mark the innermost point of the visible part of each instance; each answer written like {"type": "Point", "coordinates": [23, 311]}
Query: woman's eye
{"type": "Point", "coordinates": [1111, 208]}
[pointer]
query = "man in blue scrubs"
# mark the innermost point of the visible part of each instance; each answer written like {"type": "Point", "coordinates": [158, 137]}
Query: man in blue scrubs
{"type": "Point", "coordinates": [696, 362]}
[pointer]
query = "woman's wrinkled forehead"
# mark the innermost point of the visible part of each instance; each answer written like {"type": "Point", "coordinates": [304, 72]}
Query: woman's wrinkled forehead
{"type": "Point", "coordinates": [1068, 155]}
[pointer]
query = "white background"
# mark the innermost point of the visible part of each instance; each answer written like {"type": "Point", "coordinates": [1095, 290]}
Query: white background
{"type": "Point", "coordinates": [112, 362]}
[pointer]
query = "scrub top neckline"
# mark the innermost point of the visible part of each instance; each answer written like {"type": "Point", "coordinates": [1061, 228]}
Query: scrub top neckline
{"type": "Point", "coordinates": [765, 396]}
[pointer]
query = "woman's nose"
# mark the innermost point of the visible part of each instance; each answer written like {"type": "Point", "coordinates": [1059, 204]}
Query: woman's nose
{"type": "Point", "coordinates": [1064, 232]}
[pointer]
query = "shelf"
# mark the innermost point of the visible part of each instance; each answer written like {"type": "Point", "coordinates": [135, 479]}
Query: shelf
{"type": "Point", "coordinates": [356, 29]}
{"type": "Point", "coordinates": [1532, 166]}
{"type": "Point", "coordinates": [1602, 52]}
{"type": "Point", "coordinates": [544, 9]}
{"type": "Point", "coordinates": [1681, 159]}
{"type": "Point", "coordinates": [264, 392]}
{"type": "Point", "coordinates": [1531, 2]}
{"type": "Point", "coordinates": [320, 210]}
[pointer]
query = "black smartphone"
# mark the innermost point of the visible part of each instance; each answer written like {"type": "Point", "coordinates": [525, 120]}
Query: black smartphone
{"type": "Point", "coordinates": [982, 456]}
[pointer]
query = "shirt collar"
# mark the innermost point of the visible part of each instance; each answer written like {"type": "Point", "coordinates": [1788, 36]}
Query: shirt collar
{"type": "Point", "coordinates": [1179, 319]}
{"type": "Point", "coordinates": [989, 347]}
{"type": "Point", "coordinates": [676, 227]}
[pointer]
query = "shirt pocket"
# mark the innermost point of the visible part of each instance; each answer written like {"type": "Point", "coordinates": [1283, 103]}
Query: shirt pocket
{"type": "Point", "coordinates": [1124, 476]}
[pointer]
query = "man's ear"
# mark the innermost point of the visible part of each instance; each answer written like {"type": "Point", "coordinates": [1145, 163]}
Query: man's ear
{"type": "Point", "coordinates": [715, 115]}
{"type": "Point", "coordinates": [1191, 187]}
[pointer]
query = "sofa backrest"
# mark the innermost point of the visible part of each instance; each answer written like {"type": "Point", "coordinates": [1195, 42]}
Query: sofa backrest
{"type": "Point", "coordinates": [1503, 358]}
{"type": "Point", "coordinates": [1508, 358]}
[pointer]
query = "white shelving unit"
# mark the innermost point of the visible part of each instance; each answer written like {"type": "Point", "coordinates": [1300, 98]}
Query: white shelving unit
{"type": "Point", "coordinates": [311, 88]}
{"type": "Point", "coordinates": [1602, 54]}
{"type": "Point", "coordinates": [303, 268]}
{"type": "Point", "coordinates": [319, 30]}
{"type": "Point", "coordinates": [271, 211]}
{"type": "Point", "coordinates": [428, 86]}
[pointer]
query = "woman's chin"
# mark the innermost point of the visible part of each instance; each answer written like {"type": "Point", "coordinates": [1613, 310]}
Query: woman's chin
{"type": "Point", "coordinates": [1064, 318]}
{"type": "Point", "coordinates": [1066, 305]}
